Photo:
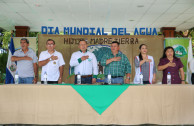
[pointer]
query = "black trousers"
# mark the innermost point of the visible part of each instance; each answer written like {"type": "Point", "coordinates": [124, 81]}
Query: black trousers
{"type": "Point", "coordinates": [50, 82]}
{"type": "Point", "coordinates": [192, 78]}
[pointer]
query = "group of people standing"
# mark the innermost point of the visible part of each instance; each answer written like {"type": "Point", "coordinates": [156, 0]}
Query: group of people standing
{"type": "Point", "coordinates": [168, 63]}
{"type": "Point", "coordinates": [85, 63]}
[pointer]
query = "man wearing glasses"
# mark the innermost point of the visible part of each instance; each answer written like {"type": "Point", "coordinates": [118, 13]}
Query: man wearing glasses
{"type": "Point", "coordinates": [26, 63]}
{"type": "Point", "coordinates": [52, 64]}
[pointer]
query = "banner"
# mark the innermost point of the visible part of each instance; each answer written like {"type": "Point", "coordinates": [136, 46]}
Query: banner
{"type": "Point", "coordinates": [11, 66]}
{"type": "Point", "coordinates": [190, 57]}
{"type": "Point", "coordinates": [180, 46]}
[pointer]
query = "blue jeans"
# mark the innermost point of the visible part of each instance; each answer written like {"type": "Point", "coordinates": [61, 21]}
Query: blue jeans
{"type": "Point", "coordinates": [118, 80]}
{"type": "Point", "coordinates": [85, 80]}
{"type": "Point", "coordinates": [26, 80]}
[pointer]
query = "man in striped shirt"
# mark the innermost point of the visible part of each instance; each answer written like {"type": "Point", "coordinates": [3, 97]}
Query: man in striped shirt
{"type": "Point", "coordinates": [117, 64]}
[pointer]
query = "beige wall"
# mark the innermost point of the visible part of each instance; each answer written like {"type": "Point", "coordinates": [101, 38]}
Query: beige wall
{"type": "Point", "coordinates": [129, 48]}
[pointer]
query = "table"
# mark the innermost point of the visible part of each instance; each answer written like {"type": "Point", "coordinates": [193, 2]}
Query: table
{"type": "Point", "coordinates": [61, 104]}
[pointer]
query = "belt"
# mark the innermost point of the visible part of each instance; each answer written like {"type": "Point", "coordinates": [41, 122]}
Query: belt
{"type": "Point", "coordinates": [84, 76]}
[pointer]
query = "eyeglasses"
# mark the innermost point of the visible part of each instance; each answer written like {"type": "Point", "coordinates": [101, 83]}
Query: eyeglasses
{"type": "Point", "coordinates": [50, 44]}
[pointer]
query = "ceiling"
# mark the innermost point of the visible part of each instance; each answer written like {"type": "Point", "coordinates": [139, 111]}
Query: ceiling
{"type": "Point", "coordinates": [97, 13]}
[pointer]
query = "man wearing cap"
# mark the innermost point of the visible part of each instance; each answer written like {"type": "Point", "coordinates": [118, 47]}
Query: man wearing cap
{"type": "Point", "coordinates": [26, 63]}
{"type": "Point", "coordinates": [117, 64]}
{"type": "Point", "coordinates": [85, 63]}
{"type": "Point", "coordinates": [52, 64]}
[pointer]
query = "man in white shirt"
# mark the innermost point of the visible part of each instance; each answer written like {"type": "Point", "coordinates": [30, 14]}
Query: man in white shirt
{"type": "Point", "coordinates": [52, 63]}
{"type": "Point", "coordinates": [85, 63]}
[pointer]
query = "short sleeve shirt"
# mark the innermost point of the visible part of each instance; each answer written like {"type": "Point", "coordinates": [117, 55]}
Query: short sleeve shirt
{"type": "Point", "coordinates": [52, 67]}
{"type": "Point", "coordinates": [174, 71]}
{"type": "Point", "coordinates": [25, 68]}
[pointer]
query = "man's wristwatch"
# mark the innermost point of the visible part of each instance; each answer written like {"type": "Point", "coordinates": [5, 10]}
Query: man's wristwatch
{"type": "Point", "coordinates": [50, 59]}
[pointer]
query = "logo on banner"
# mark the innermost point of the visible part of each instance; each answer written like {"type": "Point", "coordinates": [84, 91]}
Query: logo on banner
{"type": "Point", "coordinates": [180, 50]}
{"type": "Point", "coordinates": [99, 50]}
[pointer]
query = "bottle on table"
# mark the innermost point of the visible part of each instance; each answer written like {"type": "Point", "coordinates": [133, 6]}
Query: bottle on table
{"type": "Point", "coordinates": [45, 77]}
{"type": "Point", "coordinates": [168, 78]}
{"type": "Point", "coordinates": [109, 78]}
{"type": "Point", "coordinates": [16, 78]}
{"type": "Point", "coordinates": [141, 78]}
{"type": "Point", "coordinates": [78, 78]}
